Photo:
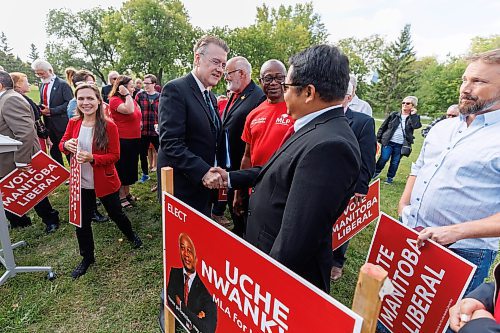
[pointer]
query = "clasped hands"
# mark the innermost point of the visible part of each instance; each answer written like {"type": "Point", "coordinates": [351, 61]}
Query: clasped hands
{"type": "Point", "coordinates": [466, 310]}
{"type": "Point", "coordinates": [215, 178]}
{"type": "Point", "coordinates": [81, 156]}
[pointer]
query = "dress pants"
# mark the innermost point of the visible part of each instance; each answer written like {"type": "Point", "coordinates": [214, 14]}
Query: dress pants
{"type": "Point", "coordinates": [111, 203]}
{"type": "Point", "coordinates": [240, 222]}
{"type": "Point", "coordinates": [43, 209]}
{"type": "Point", "coordinates": [56, 154]}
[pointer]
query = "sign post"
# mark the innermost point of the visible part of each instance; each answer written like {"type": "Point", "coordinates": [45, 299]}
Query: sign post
{"type": "Point", "coordinates": [75, 189]}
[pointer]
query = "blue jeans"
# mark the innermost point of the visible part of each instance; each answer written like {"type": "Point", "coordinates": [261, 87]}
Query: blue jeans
{"type": "Point", "coordinates": [392, 151]}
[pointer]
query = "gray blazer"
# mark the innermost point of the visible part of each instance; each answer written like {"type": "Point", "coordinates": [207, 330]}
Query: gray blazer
{"type": "Point", "coordinates": [17, 122]}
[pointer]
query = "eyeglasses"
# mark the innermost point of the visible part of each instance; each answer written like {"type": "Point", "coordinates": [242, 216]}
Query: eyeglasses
{"type": "Point", "coordinates": [286, 86]}
{"type": "Point", "coordinates": [407, 103]}
{"type": "Point", "coordinates": [40, 73]}
{"type": "Point", "coordinates": [268, 79]}
{"type": "Point", "coordinates": [218, 63]}
{"type": "Point", "coordinates": [451, 115]}
{"type": "Point", "coordinates": [226, 74]}
{"type": "Point", "coordinates": [148, 82]}
{"type": "Point", "coordinates": [113, 79]}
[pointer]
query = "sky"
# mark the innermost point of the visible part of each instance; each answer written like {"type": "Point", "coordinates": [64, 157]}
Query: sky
{"type": "Point", "coordinates": [439, 27]}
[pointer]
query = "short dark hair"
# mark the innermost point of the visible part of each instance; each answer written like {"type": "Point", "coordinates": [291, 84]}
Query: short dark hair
{"type": "Point", "coordinates": [151, 77]}
{"type": "Point", "coordinates": [81, 76]}
{"type": "Point", "coordinates": [6, 80]}
{"type": "Point", "coordinates": [323, 66]}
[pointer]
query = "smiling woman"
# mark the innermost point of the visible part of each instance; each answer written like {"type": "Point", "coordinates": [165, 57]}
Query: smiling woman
{"type": "Point", "coordinates": [94, 141]}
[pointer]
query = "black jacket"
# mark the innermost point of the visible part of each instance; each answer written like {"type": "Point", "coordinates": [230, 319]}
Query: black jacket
{"type": "Point", "coordinates": [189, 140]}
{"type": "Point", "coordinates": [233, 120]}
{"type": "Point", "coordinates": [300, 192]}
{"type": "Point", "coordinates": [392, 122]}
{"type": "Point", "coordinates": [60, 96]}
{"type": "Point", "coordinates": [363, 127]}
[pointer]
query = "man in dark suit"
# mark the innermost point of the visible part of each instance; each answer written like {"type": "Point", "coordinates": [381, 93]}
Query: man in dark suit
{"type": "Point", "coordinates": [187, 296]}
{"type": "Point", "coordinates": [363, 127]}
{"type": "Point", "coordinates": [17, 121]}
{"type": "Point", "coordinates": [191, 139]}
{"type": "Point", "coordinates": [55, 95]}
{"type": "Point", "coordinates": [105, 90]}
{"type": "Point", "coordinates": [245, 97]}
{"type": "Point", "coordinates": [299, 193]}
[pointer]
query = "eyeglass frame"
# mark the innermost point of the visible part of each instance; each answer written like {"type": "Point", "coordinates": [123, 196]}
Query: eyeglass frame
{"type": "Point", "coordinates": [226, 74]}
{"type": "Point", "coordinates": [273, 78]}
{"type": "Point", "coordinates": [215, 61]}
{"type": "Point", "coordinates": [285, 86]}
{"type": "Point", "coordinates": [406, 103]}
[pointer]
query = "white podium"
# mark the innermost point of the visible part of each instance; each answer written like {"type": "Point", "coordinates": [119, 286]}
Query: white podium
{"type": "Point", "coordinates": [6, 252]}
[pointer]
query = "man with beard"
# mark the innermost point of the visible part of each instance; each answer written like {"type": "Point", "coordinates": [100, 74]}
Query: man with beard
{"type": "Point", "coordinates": [453, 190]}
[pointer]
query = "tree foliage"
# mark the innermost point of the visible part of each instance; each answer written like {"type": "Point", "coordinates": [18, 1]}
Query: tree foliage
{"type": "Point", "coordinates": [12, 63]}
{"type": "Point", "coordinates": [396, 78]}
{"type": "Point", "coordinates": [34, 54]}
{"type": "Point", "coordinates": [483, 44]}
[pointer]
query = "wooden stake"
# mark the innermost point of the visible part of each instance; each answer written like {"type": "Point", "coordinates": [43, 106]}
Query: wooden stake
{"type": "Point", "coordinates": [167, 185]}
{"type": "Point", "coordinates": [366, 300]}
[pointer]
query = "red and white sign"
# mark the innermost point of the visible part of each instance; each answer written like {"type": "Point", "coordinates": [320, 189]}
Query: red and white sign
{"type": "Point", "coordinates": [75, 189]}
{"type": "Point", "coordinates": [23, 188]}
{"type": "Point", "coordinates": [222, 194]}
{"type": "Point", "coordinates": [238, 288]}
{"type": "Point", "coordinates": [356, 217]}
{"type": "Point", "coordinates": [427, 280]}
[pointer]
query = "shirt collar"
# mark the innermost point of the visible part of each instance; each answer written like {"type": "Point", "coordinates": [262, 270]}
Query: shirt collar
{"type": "Point", "coordinates": [488, 118]}
{"type": "Point", "coordinates": [198, 82]}
{"type": "Point", "coordinates": [2, 92]}
{"type": "Point", "coordinates": [191, 276]}
{"type": "Point", "coordinates": [301, 122]}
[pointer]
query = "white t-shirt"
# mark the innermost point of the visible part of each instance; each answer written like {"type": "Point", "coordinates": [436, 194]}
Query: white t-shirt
{"type": "Point", "coordinates": [398, 136]}
{"type": "Point", "coordinates": [85, 139]}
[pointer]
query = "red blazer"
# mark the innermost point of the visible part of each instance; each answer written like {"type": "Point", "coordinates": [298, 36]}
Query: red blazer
{"type": "Point", "coordinates": [106, 179]}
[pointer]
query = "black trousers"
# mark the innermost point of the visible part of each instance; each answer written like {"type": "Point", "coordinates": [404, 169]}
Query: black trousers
{"type": "Point", "coordinates": [240, 222]}
{"type": "Point", "coordinates": [56, 154]}
{"type": "Point", "coordinates": [43, 209]}
{"type": "Point", "coordinates": [143, 151]}
{"type": "Point", "coordinates": [111, 203]}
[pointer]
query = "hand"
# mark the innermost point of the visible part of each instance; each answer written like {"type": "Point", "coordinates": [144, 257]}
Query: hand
{"type": "Point", "coordinates": [84, 157]}
{"type": "Point", "coordinates": [71, 145]}
{"type": "Point", "coordinates": [413, 111]}
{"type": "Point", "coordinates": [44, 110]}
{"type": "Point", "coordinates": [441, 235]}
{"type": "Point", "coordinates": [215, 178]}
{"type": "Point", "coordinates": [238, 203]}
{"type": "Point", "coordinates": [463, 311]}
{"type": "Point", "coordinates": [122, 90]}
{"type": "Point", "coordinates": [358, 198]}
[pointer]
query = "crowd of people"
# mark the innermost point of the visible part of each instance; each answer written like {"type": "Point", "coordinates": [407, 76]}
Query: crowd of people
{"type": "Point", "coordinates": [290, 153]}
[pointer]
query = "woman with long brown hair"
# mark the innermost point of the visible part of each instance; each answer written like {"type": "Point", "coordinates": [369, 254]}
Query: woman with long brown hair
{"type": "Point", "coordinates": [94, 140]}
{"type": "Point", "coordinates": [127, 116]}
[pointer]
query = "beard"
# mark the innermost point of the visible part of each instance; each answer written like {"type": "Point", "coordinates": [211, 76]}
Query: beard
{"type": "Point", "coordinates": [475, 105]}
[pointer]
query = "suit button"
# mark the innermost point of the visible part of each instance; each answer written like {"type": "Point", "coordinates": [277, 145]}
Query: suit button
{"type": "Point", "coordinates": [249, 213]}
{"type": "Point", "coordinates": [253, 189]}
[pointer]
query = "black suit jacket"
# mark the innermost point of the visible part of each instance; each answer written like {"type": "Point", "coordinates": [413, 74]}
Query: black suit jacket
{"type": "Point", "coordinates": [300, 193]}
{"type": "Point", "coordinates": [363, 127]}
{"type": "Point", "coordinates": [60, 95]}
{"type": "Point", "coordinates": [233, 121]}
{"type": "Point", "coordinates": [189, 140]}
{"type": "Point", "coordinates": [199, 300]}
{"type": "Point", "coordinates": [105, 90]}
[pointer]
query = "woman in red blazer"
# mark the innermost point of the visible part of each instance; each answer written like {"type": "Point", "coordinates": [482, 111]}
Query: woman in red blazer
{"type": "Point", "coordinates": [94, 140]}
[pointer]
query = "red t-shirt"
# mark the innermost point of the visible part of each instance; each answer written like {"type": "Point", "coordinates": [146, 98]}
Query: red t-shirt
{"type": "Point", "coordinates": [264, 130]}
{"type": "Point", "coordinates": [129, 125]}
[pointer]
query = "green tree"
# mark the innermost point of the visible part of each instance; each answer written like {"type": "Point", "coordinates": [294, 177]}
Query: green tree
{"type": "Point", "coordinates": [4, 45]}
{"type": "Point", "coordinates": [34, 54]}
{"type": "Point", "coordinates": [365, 55]}
{"type": "Point", "coordinates": [154, 36]}
{"type": "Point", "coordinates": [80, 37]}
{"type": "Point", "coordinates": [396, 78]}
{"type": "Point", "coordinates": [483, 44]}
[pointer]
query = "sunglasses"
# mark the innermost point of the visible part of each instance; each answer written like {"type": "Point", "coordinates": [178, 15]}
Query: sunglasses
{"type": "Point", "coordinates": [407, 103]}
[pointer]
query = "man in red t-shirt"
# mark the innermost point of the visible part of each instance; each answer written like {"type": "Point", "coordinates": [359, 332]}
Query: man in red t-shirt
{"type": "Point", "coordinates": [267, 124]}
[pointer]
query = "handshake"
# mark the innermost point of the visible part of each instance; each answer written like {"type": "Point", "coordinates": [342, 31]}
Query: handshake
{"type": "Point", "coordinates": [215, 178]}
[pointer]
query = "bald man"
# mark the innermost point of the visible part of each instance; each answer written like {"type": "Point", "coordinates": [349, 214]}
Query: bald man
{"type": "Point", "coordinates": [245, 96]}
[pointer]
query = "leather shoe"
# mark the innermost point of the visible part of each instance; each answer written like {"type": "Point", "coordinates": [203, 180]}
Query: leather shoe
{"type": "Point", "coordinates": [51, 228]}
{"type": "Point", "coordinates": [136, 242]}
{"type": "Point", "coordinates": [336, 273]}
{"type": "Point", "coordinates": [98, 217]}
{"type": "Point", "coordinates": [82, 267]}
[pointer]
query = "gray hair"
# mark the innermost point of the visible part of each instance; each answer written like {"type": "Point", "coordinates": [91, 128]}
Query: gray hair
{"type": "Point", "coordinates": [413, 100]}
{"type": "Point", "coordinates": [43, 65]}
{"type": "Point", "coordinates": [353, 81]}
{"type": "Point", "coordinates": [454, 109]}
{"type": "Point", "coordinates": [242, 63]}
{"type": "Point", "coordinates": [489, 57]}
{"type": "Point", "coordinates": [350, 89]}
{"type": "Point", "coordinates": [201, 45]}
{"type": "Point", "coordinates": [112, 73]}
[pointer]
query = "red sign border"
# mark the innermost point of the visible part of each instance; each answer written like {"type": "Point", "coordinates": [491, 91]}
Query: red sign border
{"type": "Point", "coordinates": [79, 194]}
{"type": "Point", "coordinates": [358, 320]}
{"type": "Point", "coordinates": [474, 267]}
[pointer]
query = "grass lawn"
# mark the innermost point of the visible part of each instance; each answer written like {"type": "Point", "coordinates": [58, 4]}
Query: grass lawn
{"type": "Point", "coordinates": [120, 293]}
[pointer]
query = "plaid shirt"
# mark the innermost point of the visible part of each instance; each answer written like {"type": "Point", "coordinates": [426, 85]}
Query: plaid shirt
{"type": "Point", "coordinates": [149, 112]}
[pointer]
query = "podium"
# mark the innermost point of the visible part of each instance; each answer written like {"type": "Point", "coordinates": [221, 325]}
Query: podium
{"type": "Point", "coordinates": [6, 251]}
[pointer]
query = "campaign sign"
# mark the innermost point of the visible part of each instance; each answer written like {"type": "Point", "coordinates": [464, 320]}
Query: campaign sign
{"type": "Point", "coordinates": [427, 280]}
{"type": "Point", "coordinates": [23, 188]}
{"type": "Point", "coordinates": [216, 282]}
{"type": "Point", "coordinates": [75, 188]}
{"type": "Point", "coordinates": [222, 194]}
{"type": "Point", "coordinates": [356, 216]}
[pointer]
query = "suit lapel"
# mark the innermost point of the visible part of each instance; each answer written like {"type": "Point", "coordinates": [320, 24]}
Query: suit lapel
{"type": "Point", "coordinates": [244, 94]}
{"type": "Point", "coordinates": [330, 114]}
{"type": "Point", "coordinates": [197, 93]}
